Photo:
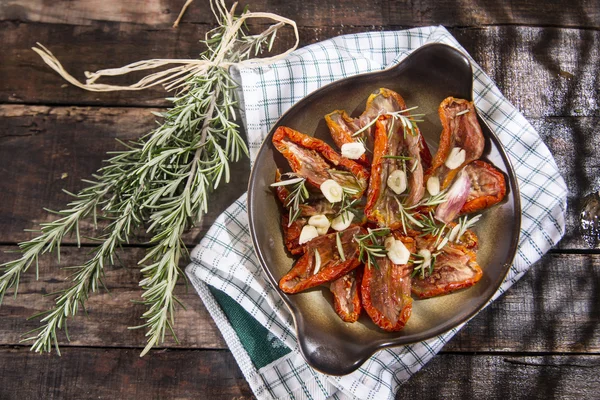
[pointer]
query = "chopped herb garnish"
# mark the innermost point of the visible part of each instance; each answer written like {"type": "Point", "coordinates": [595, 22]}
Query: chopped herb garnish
{"type": "Point", "coordinates": [298, 195]}
{"type": "Point", "coordinates": [367, 126]}
{"type": "Point", "coordinates": [406, 217]}
{"type": "Point", "coordinates": [423, 266]}
{"type": "Point", "coordinates": [370, 247]}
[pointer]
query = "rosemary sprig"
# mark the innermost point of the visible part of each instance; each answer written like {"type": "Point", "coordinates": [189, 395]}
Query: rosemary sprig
{"type": "Point", "coordinates": [464, 223]}
{"type": "Point", "coordinates": [439, 198]}
{"type": "Point", "coordinates": [163, 181]}
{"type": "Point", "coordinates": [297, 196]}
{"type": "Point", "coordinates": [408, 121]}
{"type": "Point", "coordinates": [348, 204]}
{"type": "Point", "coordinates": [407, 218]}
{"type": "Point", "coordinates": [423, 266]}
{"type": "Point", "coordinates": [370, 247]}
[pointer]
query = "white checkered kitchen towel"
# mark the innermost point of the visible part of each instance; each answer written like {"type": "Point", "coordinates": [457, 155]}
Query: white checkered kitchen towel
{"type": "Point", "coordinates": [255, 323]}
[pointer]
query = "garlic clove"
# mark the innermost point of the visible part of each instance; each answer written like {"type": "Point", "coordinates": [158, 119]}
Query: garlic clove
{"type": "Point", "coordinates": [397, 181]}
{"type": "Point", "coordinates": [456, 158]}
{"type": "Point", "coordinates": [353, 150]}
{"type": "Point", "coordinates": [308, 233]}
{"type": "Point", "coordinates": [319, 221]}
{"type": "Point", "coordinates": [426, 254]}
{"type": "Point", "coordinates": [342, 221]}
{"type": "Point", "coordinates": [433, 185]}
{"type": "Point", "coordinates": [332, 191]}
{"type": "Point", "coordinates": [396, 251]}
{"type": "Point", "coordinates": [322, 231]}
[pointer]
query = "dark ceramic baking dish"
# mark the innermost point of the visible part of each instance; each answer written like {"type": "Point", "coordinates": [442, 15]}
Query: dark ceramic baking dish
{"type": "Point", "coordinates": [424, 78]}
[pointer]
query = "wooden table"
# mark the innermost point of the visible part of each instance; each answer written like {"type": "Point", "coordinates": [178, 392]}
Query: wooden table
{"type": "Point", "coordinates": [540, 340]}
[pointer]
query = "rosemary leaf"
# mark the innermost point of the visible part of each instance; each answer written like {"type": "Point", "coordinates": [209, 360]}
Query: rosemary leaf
{"type": "Point", "coordinates": [161, 182]}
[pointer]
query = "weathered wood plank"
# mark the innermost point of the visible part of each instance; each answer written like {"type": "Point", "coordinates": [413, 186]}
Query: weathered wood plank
{"type": "Point", "coordinates": [121, 374]}
{"type": "Point", "coordinates": [575, 145]}
{"type": "Point", "coordinates": [498, 377]}
{"type": "Point", "coordinates": [556, 305]}
{"type": "Point", "coordinates": [543, 71]}
{"type": "Point", "coordinates": [554, 308]}
{"type": "Point", "coordinates": [584, 13]}
{"type": "Point", "coordinates": [45, 149]}
{"type": "Point", "coordinates": [38, 144]}
{"type": "Point", "coordinates": [109, 314]}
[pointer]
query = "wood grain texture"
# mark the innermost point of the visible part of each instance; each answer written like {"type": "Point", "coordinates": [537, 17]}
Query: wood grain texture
{"type": "Point", "coordinates": [543, 71]}
{"type": "Point", "coordinates": [186, 374]}
{"type": "Point", "coordinates": [528, 318]}
{"type": "Point", "coordinates": [110, 314]}
{"type": "Point", "coordinates": [491, 377]}
{"type": "Point", "coordinates": [46, 149]}
{"type": "Point", "coordinates": [121, 374]}
{"type": "Point", "coordinates": [575, 145]}
{"type": "Point", "coordinates": [540, 340]}
{"type": "Point", "coordinates": [39, 144]}
{"type": "Point", "coordinates": [155, 13]}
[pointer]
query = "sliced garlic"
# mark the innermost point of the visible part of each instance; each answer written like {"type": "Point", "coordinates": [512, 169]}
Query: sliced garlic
{"type": "Point", "coordinates": [332, 191]}
{"type": "Point", "coordinates": [442, 244]}
{"type": "Point", "coordinates": [453, 237]}
{"type": "Point", "coordinates": [456, 158]}
{"type": "Point", "coordinates": [433, 185]}
{"type": "Point", "coordinates": [320, 222]}
{"type": "Point", "coordinates": [426, 254]}
{"type": "Point", "coordinates": [308, 233]}
{"type": "Point", "coordinates": [342, 221]}
{"type": "Point", "coordinates": [397, 181]}
{"type": "Point", "coordinates": [353, 150]}
{"type": "Point", "coordinates": [396, 251]}
{"type": "Point", "coordinates": [317, 262]}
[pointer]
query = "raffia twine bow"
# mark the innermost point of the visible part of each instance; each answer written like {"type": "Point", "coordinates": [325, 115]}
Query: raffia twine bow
{"type": "Point", "coordinates": [177, 76]}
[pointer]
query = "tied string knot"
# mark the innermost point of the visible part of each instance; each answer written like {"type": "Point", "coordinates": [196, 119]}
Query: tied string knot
{"type": "Point", "coordinates": [177, 76]}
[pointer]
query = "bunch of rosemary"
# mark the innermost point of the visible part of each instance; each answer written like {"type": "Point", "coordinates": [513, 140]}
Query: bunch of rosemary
{"type": "Point", "coordinates": [160, 182]}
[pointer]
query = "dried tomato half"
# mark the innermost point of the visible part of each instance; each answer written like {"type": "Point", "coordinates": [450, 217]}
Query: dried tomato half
{"type": "Point", "coordinates": [460, 130]}
{"type": "Point", "coordinates": [454, 268]}
{"type": "Point", "coordinates": [488, 187]}
{"type": "Point", "coordinates": [396, 151]}
{"type": "Point", "coordinates": [312, 270]}
{"type": "Point", "coordinates": [316, 204]}
{"type": "Point", "coordinates": [342, 127]}
{"type": "Point", "coordinates": [316, 161]}
{"type": "Point", "coordinates": [291, 233]}
{"type": "Point", "coordinates": [385, 291]}
{"type": "Point", "coordinates": [346, 295]}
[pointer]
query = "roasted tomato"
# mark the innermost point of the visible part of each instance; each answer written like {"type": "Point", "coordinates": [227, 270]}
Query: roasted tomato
{"type": "Point", "coordinates": [460, 131]}
{"type": "Point", "coordinates": [317, 204]}
{"type": "Point", "coordinates": [382, 101]}
{"type": "Point", "coordinates": [386, 101]}
{"type": "Point", "coordinates": [316, 161]}
{"type": "Point", "coordinates": [291, 233]}
{"type": "Point", "coordinates": [396, 152]}
{"type": "Point", "coordinates": [306, 273]}
{"type": "Point", "coordinates": [342, 127]}
{"type": "Point", "coordinates": [488, 187]}
{"type": "Point", "coordinates": [454, 268]}
{"type": "Point", "coordinates": [346, 295]}
{"type": "Point", "coordinates": [385, 292]}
